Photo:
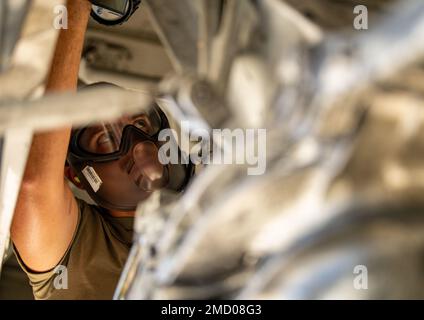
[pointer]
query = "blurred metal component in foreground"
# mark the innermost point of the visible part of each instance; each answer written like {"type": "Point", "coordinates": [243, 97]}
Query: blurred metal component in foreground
{"type": "Point", "coordinates": [12, 15]}
{"type": "Point", "coordinates": [338, 213]}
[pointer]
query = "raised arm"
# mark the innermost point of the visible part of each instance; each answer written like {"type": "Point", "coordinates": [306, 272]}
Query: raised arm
{"type": "Point", "coordinates": [46, 213]}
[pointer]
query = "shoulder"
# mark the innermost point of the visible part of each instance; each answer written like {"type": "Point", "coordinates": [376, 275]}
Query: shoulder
{"type": "Point", "coordinates": [95, 253]}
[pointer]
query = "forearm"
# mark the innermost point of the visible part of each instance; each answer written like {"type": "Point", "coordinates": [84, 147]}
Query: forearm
{"type": "Point", "coordinates": [48, 151]}
{"type": "Point", "coordinates": [46, 212]}
{"type": "Point", "coordinates": [65, 65]}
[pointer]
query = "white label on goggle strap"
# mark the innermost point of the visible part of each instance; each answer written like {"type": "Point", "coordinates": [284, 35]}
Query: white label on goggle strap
{"type": "Point", "coordinates": [92, 177]}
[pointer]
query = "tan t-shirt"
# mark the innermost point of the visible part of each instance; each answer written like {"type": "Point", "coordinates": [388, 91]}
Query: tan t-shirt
{"type": "Point", "coordinates": [93, 261]}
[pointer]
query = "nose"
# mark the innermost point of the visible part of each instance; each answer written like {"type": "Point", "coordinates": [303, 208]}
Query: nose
{"type": "Point", "coordinates": [147, 171]}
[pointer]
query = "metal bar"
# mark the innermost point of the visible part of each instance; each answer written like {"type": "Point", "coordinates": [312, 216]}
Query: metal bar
{"type": "Point", "coordinates": [14, 155]}
{"type": "Point", "coordinates": [238, 21]}
{"type": "Point", "coordinates": [209, 13]}
{"type": "Point", "coordinates": [71, 109]}
{"type": "Point", "coordinates": [177, 25]}
{"type": "Point", "coordinates": [353, 64]}
{"type": "Point", "coordinates": [13, 13]}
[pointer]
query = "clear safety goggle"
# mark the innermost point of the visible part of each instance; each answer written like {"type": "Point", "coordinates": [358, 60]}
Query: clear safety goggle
{"type": "Point", "coordinates": [107, 137]}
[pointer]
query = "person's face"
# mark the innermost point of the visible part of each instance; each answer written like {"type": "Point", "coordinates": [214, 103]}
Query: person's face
{"type": "Point", "coordinates": [135, 174]}
{"type": "Point", "coordinates": [106, 138]}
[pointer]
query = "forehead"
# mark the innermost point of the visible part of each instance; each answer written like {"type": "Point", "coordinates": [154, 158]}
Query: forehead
{"type": "Point", "coordinates": [151, 116]}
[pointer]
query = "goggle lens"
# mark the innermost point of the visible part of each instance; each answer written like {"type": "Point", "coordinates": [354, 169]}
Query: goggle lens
{"type": "Point", "coordinates": [106, 138]}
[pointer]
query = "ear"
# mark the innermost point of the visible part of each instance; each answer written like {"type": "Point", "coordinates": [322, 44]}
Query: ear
{"type": "Point", "coordinates": [71, 176]}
